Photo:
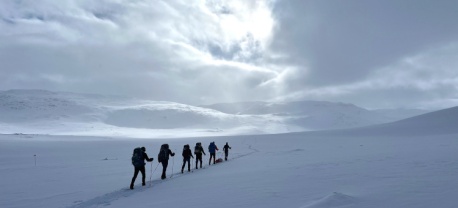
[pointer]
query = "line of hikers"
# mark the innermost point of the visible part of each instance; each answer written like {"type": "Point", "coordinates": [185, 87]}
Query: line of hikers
{"type": "Point", "coordinates": [139, 156]}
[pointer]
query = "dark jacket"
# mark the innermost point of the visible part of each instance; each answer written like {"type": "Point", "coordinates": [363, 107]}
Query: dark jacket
{"type": "Point", "coordinates": [198, 150]}
{"type": "Point", "coordinates": [165, 157]}
{"type": "Point", "coordinates": [187, 154]}
{"type": "Point", "coordinates": [145, 156]}
{"type": "Point", "coordinates": [226, 148]}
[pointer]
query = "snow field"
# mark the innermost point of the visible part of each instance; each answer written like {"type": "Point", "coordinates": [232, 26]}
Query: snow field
{"type": "Point", "coordinates": [286, 170]}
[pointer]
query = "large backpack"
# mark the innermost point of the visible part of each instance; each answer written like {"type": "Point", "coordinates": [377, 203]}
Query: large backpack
{"type": "Point", "coordinates": [212, 147]}
{"type": "Point", "coordinates": [137, 157]}
{"type": "Point", "coordinates": [163, 153]}
{"type": "Point", "coordinates": [197, 148]}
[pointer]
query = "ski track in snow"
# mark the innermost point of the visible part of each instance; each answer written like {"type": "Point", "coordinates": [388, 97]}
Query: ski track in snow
{"type": "Point", "coordinates": [335, 199]}
{"type": "Point", "coordinates": [105, 200]}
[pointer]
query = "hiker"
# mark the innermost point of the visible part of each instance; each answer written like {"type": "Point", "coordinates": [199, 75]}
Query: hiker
{"type": "Point", "coordinates": [226, 151]}
{"type": "Point", "coordinates": [187, 154]}
{"type": "Point", "coordinates": [198, 150]}
{"type": "Point", "coordinates": [163, 158]}
{"type": "Point", "coordinates": [212, 148]}
{"type": "Point", "coordinates": [138, 160]}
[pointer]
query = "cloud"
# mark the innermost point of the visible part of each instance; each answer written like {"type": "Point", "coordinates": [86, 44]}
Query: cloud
{"type": "Point", "coordinates": [342, 42]}
{"type": "Point", "coordinates": [423, 80]}
{"type": "Point", "coordinates": [200, 52]}
{"type": "Point", "coordinates": [203, 51]}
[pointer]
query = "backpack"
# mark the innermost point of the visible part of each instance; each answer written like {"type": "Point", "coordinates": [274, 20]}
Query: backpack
{"type": "Point", "coordinates": [137, 157]}
{"type": "Point", "coordinates": [197, 149]}
{"type": "Point", "coordinates": [212, 147]}
{"type": "Point", "coordinates": [163, 153]}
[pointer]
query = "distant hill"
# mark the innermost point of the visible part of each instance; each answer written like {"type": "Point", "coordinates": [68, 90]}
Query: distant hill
{"type": "Point", "coordinates": [439, 122]}
{"type": "Point", "coordinates": [318, 115]}
{"type": "Point", "coordinates": [43, 111]}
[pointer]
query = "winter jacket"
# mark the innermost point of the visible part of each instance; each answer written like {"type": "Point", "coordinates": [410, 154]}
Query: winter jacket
{"type": "Point", "coordinates": [187, 154]}
{"type": "Point", "coordinates": [197, 148]}
{"type": "Point", "coordinates": [212, 147]}
{"type": "Point", "coordinates": [226, 148]}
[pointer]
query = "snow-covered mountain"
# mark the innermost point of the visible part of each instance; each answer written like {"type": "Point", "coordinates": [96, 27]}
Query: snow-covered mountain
{"type": "Point", "coordinates": [319, 115]}
{"type": "Point", "coordinates": [46, 112]}
{"type": "Point", "coordinates": [434, 123]}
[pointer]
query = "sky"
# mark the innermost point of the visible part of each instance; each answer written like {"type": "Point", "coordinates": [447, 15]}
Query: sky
{"type": "Point", "coordinates": [375, 54]}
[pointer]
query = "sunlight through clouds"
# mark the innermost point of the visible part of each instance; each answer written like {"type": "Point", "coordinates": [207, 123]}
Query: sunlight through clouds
{"type": "Point", "coordinates": [228, 51]}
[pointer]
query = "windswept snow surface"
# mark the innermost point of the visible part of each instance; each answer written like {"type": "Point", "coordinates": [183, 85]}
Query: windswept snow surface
{"type": "Point", "coordinates": [305, 170]}
{"type": "Point", "coordinates": [289, 170]}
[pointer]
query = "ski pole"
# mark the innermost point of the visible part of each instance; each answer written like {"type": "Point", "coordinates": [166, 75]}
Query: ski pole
{"type": "Point", "coordinates": [173, 164]}
{"type": "Point", "coordinates": [152, 172]}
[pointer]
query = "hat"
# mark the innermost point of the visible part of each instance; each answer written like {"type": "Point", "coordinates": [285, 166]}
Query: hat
{"type": "Point", "coordinates": [143, 149]}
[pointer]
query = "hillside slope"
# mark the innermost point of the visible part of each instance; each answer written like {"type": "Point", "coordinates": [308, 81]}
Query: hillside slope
{"type": "Point", "coordinates": [46, 112]}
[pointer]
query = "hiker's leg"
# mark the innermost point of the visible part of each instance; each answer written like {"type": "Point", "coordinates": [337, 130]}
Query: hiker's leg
{"type": "Point", "coordinates": [164, 169]}
{"type": "Point", "coordinates": [189, 164]}
{"type": "Point", "coordinates": [197, 160]}
{"type": "Point", "coordinates": [133, 178]}
{"type": "Point", "coordinates": [142, 169]}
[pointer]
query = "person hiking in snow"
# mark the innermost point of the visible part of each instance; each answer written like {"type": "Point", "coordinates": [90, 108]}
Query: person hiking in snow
{"type": "Point", "coordinates": [187, 154]}
{"type": "Point", "coordinates": [212, 148]}
{"type": "Point", "coordinates": [198, 150]}
{"type": "Point", "coordinates": [163, 157]}
{"type": "Point", "coordinates": [226, 150]}
{"type": "Point", "coordinates": [138, 160]}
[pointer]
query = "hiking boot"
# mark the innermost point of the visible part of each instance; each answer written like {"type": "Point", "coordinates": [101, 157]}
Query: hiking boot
{"type": "Point", "coordinates": [131, 186]}
{"type": "Point", "coordinates": [163, 177]}
{"type": "Point", "coordinates": [181, 170]}
{"type": "Point", "coordinates": [143, 184]}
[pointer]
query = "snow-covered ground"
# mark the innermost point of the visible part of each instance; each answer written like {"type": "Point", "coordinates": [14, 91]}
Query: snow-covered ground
{"type": "Point", "coordinates": [382, 166]}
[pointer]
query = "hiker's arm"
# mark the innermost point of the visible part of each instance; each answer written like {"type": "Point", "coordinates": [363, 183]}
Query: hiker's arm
{"type": "Point", "coordinates": [147, 158]}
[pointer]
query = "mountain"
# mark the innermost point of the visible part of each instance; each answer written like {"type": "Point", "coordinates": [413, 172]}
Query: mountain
{"type": "Point", "coordinates": [46, 112]}
{"type": "Point", "coordinates": [318, 115]}
{"type": "Point", "coordinates": [441, 122]}
{"type": "Point", "coordinates": [437, 122]}
{"type": "Point", "coordinates": [40, 111]}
